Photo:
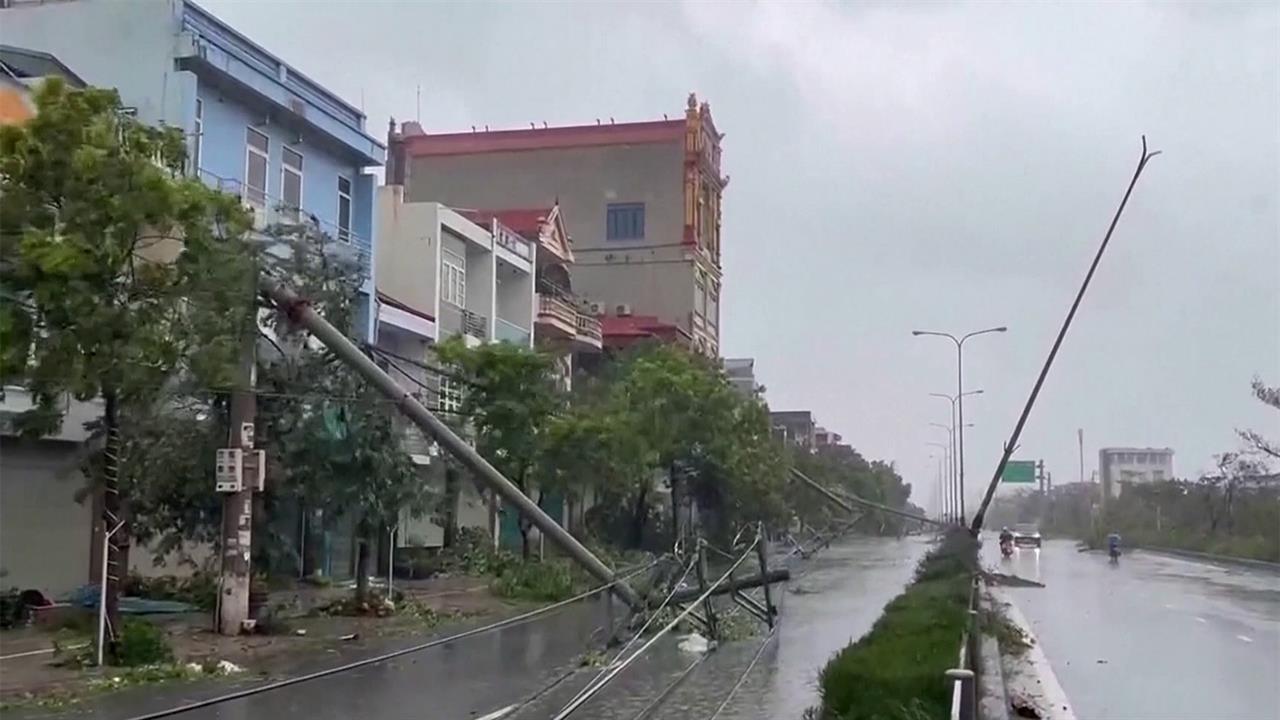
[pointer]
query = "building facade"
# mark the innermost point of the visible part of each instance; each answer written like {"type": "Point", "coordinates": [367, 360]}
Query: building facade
{"type": "Point", "coordinates": [1117, 465]}
{"type": "Point", "coordinates": [795, 427]}
{"type": "Point", "coordinates": [742, 376]}
{"type": "Point", "coordinates": [642, 202]}
{"type": "Point", "coordinates": [258, 128]}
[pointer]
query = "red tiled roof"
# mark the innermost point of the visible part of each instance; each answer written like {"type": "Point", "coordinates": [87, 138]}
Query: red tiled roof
{"type": "Point", "coordinates": [637, 326]}
{"type": "Point", "coordinates": [466, 143]}
{"type": "Point", "coordinates": [525, 221]}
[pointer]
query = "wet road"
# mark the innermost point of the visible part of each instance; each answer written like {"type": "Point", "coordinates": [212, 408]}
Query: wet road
{"type": "Point", "coordinates": [532, 670]}
{"type": "Point", "coordinates": [834, 598]}
{"type": "Point", "coordinates": [1155, 636]}
{"type": "Point", "coordinates": [455, 681]}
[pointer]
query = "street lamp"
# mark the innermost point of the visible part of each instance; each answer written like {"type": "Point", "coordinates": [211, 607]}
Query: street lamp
{"type": "Point", "coordinates": [959, 343]}
{"type": "Point", "coordinates": [948, 495]}
{"type": "Point", "coordinates": [952, 399]}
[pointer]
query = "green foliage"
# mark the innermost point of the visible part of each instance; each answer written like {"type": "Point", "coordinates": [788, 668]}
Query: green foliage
{"type": "Point", "coordinates": [12, 610]}
{"type": "Point", "coordinates": [896, 670]}
{"type": "Point", "coordinates": [119, 273]}
{"type": "Point", "coordinates": [473, 553]}
{"type": "Point", "coordinates": [843, 468]}
{"type": "Point", "coordinates": [547, 581]}
{"type": "Point", "coordinates": [141, 643]}
{"type": "Point", "coordinates": [199, 589]}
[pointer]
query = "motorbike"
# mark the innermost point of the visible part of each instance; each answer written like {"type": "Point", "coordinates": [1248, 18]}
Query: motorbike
{"type": "Point", "coordinates": [1115, 555]}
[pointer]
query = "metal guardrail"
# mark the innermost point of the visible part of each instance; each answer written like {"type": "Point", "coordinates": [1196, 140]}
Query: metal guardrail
{"type": "Point", "coordinates": [964, 677]}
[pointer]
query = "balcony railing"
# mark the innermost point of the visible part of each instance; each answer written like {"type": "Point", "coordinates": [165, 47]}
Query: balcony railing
{"type": "Point", "coordinates": [504, 331]}
{"type": "Point", "coordinates": [271, 212]}
{"type": "Point", "coordinates": [475, 325]}
{"type": "Point", "coordinates": [554, 308]}
{"type": "Point", "coordinates": [589, 329]}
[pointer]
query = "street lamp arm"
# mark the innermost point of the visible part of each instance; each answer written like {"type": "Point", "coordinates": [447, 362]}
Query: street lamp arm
{"type": "Point", "coordinates": [976, 333]}
{"type": "Point", "coordinates": [949, 336]}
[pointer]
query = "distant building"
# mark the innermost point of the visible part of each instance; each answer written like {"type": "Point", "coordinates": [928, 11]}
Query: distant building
{"type": "Point", "coordinates": [823, 437]}
{"type": "Point", "coordinates": [795, 427]}
{"type": "Point", "coordinates": [742, 376]}
{"type": "Point", "coordinates": [20, 70]}
{"type": "Point", "coordinates": [1119, 465]}
{"type": "Point", "coordinates": [642, 202]}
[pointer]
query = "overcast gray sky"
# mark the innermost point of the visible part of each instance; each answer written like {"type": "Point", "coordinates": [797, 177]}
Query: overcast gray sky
{"type": "Point", "coordinates": [938, 166]}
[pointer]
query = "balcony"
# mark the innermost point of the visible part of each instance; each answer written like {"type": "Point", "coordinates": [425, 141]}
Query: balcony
{"type": "Point", "coordinates": [273, 214]}
{"type": "Point", "coordinates": [460, 321]}
{"type": "Point", "coordinates": [504, 331]}
{"type": "Point", "coordinates": [589, 336]}
{"type": "Point", "coordinates": [556, 316]}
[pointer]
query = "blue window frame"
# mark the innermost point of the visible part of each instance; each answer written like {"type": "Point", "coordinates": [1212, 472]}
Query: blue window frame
{"type": "Point", "coordinates": [624, 221]}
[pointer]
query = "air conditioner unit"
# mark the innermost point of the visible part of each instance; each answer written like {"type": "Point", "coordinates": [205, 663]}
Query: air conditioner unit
{"type": "Point", "coordinates": [599, 308]}
{"type": "Point", "coordinates": [623, 310]}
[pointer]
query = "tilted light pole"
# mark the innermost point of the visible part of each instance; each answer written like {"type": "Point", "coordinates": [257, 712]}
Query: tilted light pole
{"type": "Point", "coordinates": [959, 343]}
{"type": "Point", "coordinates": [949, 457]}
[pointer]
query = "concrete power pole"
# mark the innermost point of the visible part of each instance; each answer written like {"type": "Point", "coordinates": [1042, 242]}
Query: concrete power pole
{"type": "Point", "coordinates": [237, 505]}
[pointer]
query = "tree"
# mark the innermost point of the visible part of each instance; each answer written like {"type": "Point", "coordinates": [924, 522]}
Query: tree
{"type": "Point", "coordinates": [1269, 396]}
{"type": "Point", "coordinates": [510, 400]}
{"type": "Point", "coordinates": [119, 274]}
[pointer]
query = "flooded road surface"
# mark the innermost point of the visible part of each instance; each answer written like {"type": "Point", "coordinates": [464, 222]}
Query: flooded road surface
{"type": "Point", "coordinates": [834, 598]}
{"type": "Point", "coordinates": [1154, 636]}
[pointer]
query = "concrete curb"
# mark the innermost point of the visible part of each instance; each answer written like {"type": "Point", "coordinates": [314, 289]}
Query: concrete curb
{"type": "Point", "coordinates": [1228, 559]}
{"type": "Point", "coordinates": [1039, 685]}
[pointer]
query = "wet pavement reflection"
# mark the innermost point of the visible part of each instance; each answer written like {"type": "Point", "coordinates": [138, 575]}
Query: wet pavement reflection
{"type": "Point", "coordinates": [1154, 636]}
{"type": "Point", "coordinates": [834, 597]}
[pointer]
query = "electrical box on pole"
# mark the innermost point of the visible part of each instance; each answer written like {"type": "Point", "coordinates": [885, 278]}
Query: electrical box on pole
{"type": "Point", "coordinates": [229, 470]}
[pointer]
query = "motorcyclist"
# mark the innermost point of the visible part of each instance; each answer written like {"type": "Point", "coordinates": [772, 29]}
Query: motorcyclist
{"type": "Point", "coordinates": [1006, 539]}
{"type": "Point", "coordinates": [1113, 545]}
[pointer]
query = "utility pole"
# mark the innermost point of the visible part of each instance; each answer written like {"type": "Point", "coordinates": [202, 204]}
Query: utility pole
{"type": "Point", "coordinates": [1080, 442]}
{"type": "Point", "coordinates": [237, 506]}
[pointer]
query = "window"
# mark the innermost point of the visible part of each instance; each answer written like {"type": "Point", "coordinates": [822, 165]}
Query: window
{"type": "Point", "coordinates": [449, 395]}
{"type": "Point", "coordinates": [713, 306]}
{"type": "Point", "coordinates": [624, 221]}
{"type": "Point", "coordinates": [197, 136]}
{"type": "Point", "coordinates": [257, 149]}
{"type": "Point", "coordinates": [453, 278]}
{"type": "Point", "coordinates": [344, 209]}
{"type": "Point", "coordinates": [291, 182]}
{"type": "Point", "coordinates": [700, 295]}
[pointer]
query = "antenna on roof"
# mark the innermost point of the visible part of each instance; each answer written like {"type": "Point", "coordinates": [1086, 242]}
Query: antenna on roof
{"type": "Point", "coordinates": [486, 128]}
{"type": "Point", "coordinates": [419, 103]}
{"type": "Point", "coordinates": [473, 128]}
{"type": "Point", "coordinates": [533, 126]}
{"type": "Point", "coordinates": [597, 121]}
{"type": "Point", "coordinates": [544, 123]}
{"type": "Point", "coordinates": [664, 116]}
{"type": "Point", "coordinates": [610, 121]}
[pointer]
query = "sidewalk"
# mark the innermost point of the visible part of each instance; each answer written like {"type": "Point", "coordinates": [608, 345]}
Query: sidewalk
{"type": "Point", "coordinates": [28, 675]}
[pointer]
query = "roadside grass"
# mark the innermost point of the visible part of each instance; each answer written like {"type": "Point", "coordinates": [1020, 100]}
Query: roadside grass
{"type": "Point", "coordinates": [895, 672]}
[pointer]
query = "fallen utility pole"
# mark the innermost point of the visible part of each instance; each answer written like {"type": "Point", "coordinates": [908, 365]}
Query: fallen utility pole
{"type": "Point", "coordinates": [841, 501]}
{"type": "Point", "coordinates": [300, 312]}
{"type": "Point", "coordinates": [773, 576]}
{"type": "Point", "coordinates": [1012, 443]}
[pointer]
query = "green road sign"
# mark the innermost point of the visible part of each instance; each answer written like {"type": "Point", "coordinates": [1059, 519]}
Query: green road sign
{"type": "Point", "coordinates": [1019, 471]}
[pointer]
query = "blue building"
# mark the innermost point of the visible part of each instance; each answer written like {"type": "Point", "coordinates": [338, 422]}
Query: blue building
{"type": "Point", "coordinates": [257, 127]}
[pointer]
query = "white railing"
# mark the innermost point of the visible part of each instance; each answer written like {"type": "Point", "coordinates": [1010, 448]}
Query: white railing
{"type": "Point", "coordinates": [269, 211]}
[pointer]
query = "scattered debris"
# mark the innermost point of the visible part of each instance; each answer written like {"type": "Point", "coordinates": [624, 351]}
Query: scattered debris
{"type": "Point", "coordinates": [1023, 708]}
{"type": "Point", "coordinates": [1101, 661]}
{"type": "Point", "coordinates": [996, 578]}
{"type": "Point", "coordinates": [351, 636]}
{"type": "Point", "coordinates": [694, 643]}
{"type": "Point", "coordinates": [226, 667]}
